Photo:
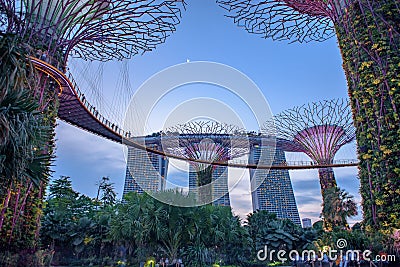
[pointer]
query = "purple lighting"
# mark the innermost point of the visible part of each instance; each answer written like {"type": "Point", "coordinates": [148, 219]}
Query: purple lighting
{"type": "Point", "coordinates": [94, 30]}
{"type": "Point", "coordinates": [319, 130]}
{"type": "Point", "coordinates": [206, 140]}
{"type": "Point", "coordinates": [321, 142]}
{"type": "Point", "coordinates": [206, 150]}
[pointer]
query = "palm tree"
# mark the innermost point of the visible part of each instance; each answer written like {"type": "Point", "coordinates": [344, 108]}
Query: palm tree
{"type": "Point", "coordinates": [237, 248]}
{"type": "Point", "coordinates": [173, 232]}
{"type": "Point", "coordinates": [338, 206]}
{"type": "Point", "coordinates": [61, 212]}
{"type": "Point", "coordinates": [228, 238]}
{"type": "Point", "coordinates": [131, 225]}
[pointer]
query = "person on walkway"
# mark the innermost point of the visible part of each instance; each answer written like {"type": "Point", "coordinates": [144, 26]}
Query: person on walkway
{"type": "Point", "coordinates": [44, 56]}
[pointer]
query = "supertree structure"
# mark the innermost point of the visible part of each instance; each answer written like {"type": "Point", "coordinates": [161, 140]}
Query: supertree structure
{"type": "Point", "coordinates": [102, 30]}
{"type": "Point", "coordinates": [319, 130]}
{"type": "Point", "coordinates": [53, 30]}
{"type": "Point", "coordinates": [95, 30]}
{"type": "Point", "coordinates": [368, 33]}
{"type": "Point", "coordinates": [207, 141]}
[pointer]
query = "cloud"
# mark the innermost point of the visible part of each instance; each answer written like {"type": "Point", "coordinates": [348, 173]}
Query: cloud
{"type": "Point", "coordinates": [177, 178]}
{"type": "Point", "coordinates": [86, 158]}
{"type": "Point", "coordinates": [308, 187]}
{"type": "Point", "coordinates": [240, 195]}
{"type": "Point", "coordinates": [303, 175]}
{"type": "Point", "coordinates": [307, 190]}
{"type": "Point", "coordinates": [346, 172]}
{"type": "Point", "coordinates": [304, 200]}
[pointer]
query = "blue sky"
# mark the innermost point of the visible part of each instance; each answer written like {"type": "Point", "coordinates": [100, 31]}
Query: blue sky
{"type": "Point", "coordinates": [287, 74]}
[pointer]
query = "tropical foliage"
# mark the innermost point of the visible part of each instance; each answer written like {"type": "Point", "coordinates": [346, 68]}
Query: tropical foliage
{"type": "Point", "coordinates": [199, 235]}
{"type": "Point", "coordinates": [74, 225]}
{"type": "Point", "coordinates": [356, 239]}
{"type": "Point", "coordinates": [337, 208]}
{"type": "Point", "coordinates": [25, 157]}
{"type": "Point", "coordinates": [266, 230]}
{"type": "Point", "coordinates": [369, 39]}
{"type": "Point", "coordinates": [79, 230]}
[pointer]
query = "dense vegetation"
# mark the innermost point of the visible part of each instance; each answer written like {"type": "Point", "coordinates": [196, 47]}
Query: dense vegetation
{"type": "Point", "coordinates": [26, 141]}
{"type": "Point", "coordinates": [369, 39]}
{"type": "Point", "coordinates": [81, 231]}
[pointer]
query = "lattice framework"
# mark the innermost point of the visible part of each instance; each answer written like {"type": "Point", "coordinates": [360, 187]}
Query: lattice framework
{"type": "Point", "coordinates": [93, 30]}
{"type": "Point", "coordinates": [368, 34]}
{"type": "Point", "coordinates": [318, 129]}
{"type": "Point", "coordinates": [293, 20]}
{"type": "Point", "coordinates": [206, 140]}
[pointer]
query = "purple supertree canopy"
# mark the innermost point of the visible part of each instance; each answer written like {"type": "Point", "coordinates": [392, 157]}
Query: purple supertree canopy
{"type": "Point", "coordinates": [294, 20]}
{"type": "Point", "coordinates": [206, 150]}
{"type": "Point", "coordinates": [321, 142]}
{"type": "Point", "coordinates": [206, 140]}
{"type": "Point", "coordinates": [318, 129]}
{"type": "Point", "coordinates": [95, 30]}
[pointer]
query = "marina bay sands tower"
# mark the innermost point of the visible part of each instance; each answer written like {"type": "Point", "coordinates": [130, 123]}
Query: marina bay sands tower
{"type": "Point", "coordinates": [273, 193]}
{"type": "Point", "coordinates": [272, 189]}
{"type": "Point", "coordinates": [148, 172]}
{"type": "Point", "coordinates": [145, 172]}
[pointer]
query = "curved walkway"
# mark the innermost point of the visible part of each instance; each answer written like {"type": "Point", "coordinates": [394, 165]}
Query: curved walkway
{"type": "Point", "coordinates": [76, 110]}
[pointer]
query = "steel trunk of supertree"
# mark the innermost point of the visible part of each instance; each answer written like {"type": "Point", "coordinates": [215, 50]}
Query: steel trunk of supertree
{"type": "Point", "coordinates": [204, 180]}
{"type": "Point", "coordinates": [208, 141]}
{"type": "Point", "coordinates": [53, 30]}
{"type": "Point", "coordinates": [207, 150]}
{"type": "Point", "coordinates": [319, 130]}
{"type": "Point", "coordinates": [368, 33]}
{"type": "Point", "coordinates": [326, 178]}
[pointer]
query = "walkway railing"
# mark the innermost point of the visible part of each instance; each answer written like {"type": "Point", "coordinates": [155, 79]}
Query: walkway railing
{"type": "Point", "coordinates": [92, 109]}
{"type": "Point", "coordinates": [121, 136]}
